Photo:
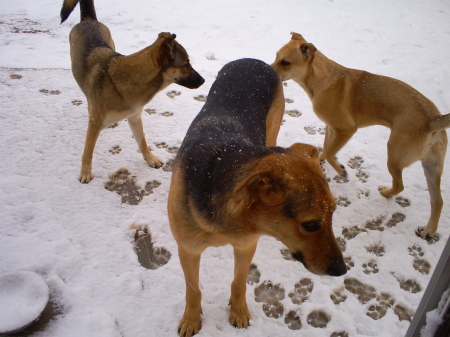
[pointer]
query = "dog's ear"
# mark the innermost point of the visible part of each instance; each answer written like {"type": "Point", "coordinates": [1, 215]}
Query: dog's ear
{"type": "Point", "coordinates": [167, 50]}
{"type": "Point", "coordinates": [296, 36]}
{"type": "Point", "coordinates": [304, 151]}
{"type": "Point", "coordinates": [263, 186]}
{"type": "Point", "coordinates": [307, 50]}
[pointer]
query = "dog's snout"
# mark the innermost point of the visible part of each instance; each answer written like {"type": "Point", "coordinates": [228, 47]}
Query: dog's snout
{"type": "Point", "coordinates": [193, 81]}
{"type": "Point", "coordinates": [337, 266]}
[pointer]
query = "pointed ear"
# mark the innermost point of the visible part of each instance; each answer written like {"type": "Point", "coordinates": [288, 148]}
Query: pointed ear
{"type": "Point", "coordinates": [167, 50]}
{"type": "Point", "coordinates": [296, 36]}
{"type": "Point", "coordinates": [307, 50]}
{"type": "Point", "coordinates": [304, 150]}
{"type": "Point", "coordinates": [262, 186]}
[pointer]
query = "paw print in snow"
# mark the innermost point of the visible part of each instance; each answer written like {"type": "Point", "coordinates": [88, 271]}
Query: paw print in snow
{"type": "Point", "coordinates": [396, 219]}
{"type": "Point", "coordinates": [343, 201]}
{"type": "Point", "coordinates": [149, 257]}
{"type": "Point", "coordinates": [293, 113]}
{"type": "Point", "coordinates": [363, 292]}
{"type": "Point", "coordinates": [292, 320]}
{"type": "Point", "coordinates": [115, 149]}
{"type": "Point", "coordinates": [376, 224]}
{"type": "Point", "coordinates": [377, 249]}
{"type": "Point", "coordinates": [318, 319]}
{"type": "Point", "coordinates": [403, 202]}
{"type": "Point", "coordinates": [201, 98]}
{"type": "Point", "coordinates": [379, 309]}
{"type": "Point", "coordinates": [301, 292]}
{"type": "Point", "coordinates": [270, 295]}
{"type": "Point", "coordinates": [338, 297]}
{"type": "Point", "coordinates": [253, 274]}
{"type": "Point", "coordinates": [348, 262]}
{"type": "Point", "coordinates": [351, 232]}
{"type": "Point", "coordinates": [370, 267]}
{"type": "Point", "coordinates": [172, 94]}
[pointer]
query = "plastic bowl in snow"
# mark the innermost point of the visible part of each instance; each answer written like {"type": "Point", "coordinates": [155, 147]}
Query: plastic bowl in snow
{"type": "Point", "coordinates": [23, 297]}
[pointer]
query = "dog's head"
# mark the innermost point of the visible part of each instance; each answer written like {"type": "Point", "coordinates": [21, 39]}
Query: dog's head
{"type": "Point", "coordinates": [174, 61]}
{"type": "Point", "coordinates": [293, 59]}
{"type": "Point", "coordinates": [287, 196]}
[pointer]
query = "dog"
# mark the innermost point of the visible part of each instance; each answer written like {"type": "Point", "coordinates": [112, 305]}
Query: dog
{"type": "Point", "coordinates": [347, 99]}
{"type": "Point", "coordinates": [117, 86]}
{"type": "Point", "coordinates": [229, 188]}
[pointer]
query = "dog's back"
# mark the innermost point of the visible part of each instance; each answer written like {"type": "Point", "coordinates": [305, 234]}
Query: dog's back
{"type": "Point", "coordinates": [229, 130]}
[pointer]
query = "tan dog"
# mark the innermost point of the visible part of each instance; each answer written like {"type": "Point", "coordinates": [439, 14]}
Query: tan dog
{"type": "Point", "coordinates": [229, 188]}
{"type": "Point", "coordinates": [118, 86]}
{"type": "Point", "coordinates": [347, 99]}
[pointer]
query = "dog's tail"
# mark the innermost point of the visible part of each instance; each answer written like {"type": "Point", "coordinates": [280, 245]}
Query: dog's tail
{"type": "Point", "coordinates": [87, 9]}
{"type": "Point", "coordinates": [440, 122]}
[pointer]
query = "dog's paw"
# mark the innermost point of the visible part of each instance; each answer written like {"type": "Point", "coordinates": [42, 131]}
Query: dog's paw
{"type": "Point", "coordinates": [423, 233]}
{"type": "Point", "coordinates": [85, 176]}
{"type": "Point", "coordinates": [189, 325]}
{"type": "Point", "coordinates": [154, 161]}
{"type": "Point", "coordinates": [239, 316]}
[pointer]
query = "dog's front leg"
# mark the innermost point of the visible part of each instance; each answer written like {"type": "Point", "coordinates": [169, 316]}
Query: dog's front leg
{"type": "Point", "coordinates": [135, 123]}
{"type": "Point", "coordinates": [190, 323]}
{"type": "Point", "coordinates": [92, 134]}
{"type": "Point", "coordinates": [239, 313]}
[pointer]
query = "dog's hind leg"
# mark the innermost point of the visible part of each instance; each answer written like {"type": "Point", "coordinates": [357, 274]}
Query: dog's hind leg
{"type": "Point", "coordinates": [190, 323]}
{"type": "Point", "coordinates": [334, 141]}
{"type": "Point", "coordinates": [135, 123]}
{"type": "Point", "coordinates": [433, 166]}
{"type": "Point", "coordinates": [93, 131]}
{"type": "Point", "coordinates": [239, 313]}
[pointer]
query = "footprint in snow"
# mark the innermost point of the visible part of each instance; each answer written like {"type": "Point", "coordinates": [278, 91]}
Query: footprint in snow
{"type": "Point", "coordinates": [149, 257]}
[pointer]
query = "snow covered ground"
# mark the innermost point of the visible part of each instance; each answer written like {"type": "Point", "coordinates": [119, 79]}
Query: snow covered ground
{"type": "Point", "coordinates": [80, 238]}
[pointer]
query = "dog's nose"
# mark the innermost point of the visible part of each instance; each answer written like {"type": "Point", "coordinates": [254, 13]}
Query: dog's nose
{"type": "Point", "coordinates": [337, 266]}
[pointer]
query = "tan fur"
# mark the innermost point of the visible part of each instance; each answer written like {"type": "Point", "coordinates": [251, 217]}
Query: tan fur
{"type": "Point", "coordinates": [118, 86]}
{"type": "Point", "coordinates": [347, 99]}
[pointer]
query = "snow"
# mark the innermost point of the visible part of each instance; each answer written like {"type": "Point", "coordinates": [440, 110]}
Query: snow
{"type": "Point", "coordinates": [79, 238]}
{"type": "Point", "coordinates": [23, 296]}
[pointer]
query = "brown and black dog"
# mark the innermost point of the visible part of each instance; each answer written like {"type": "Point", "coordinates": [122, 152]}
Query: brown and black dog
{"type": "Point", "coordinates": [118, 86]}
{"type": "Point", "coordinates": [347, 99]}
{"type": "Point", "coordinates": [229, 188]}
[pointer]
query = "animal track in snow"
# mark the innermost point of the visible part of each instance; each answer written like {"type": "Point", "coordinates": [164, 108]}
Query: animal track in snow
{"type": "Point", "coordinates": [339, 334]}
{"type": "Point", "coordinates": [376, 249]}
{"type": "Point", "coordinates": [15, 76]}
{"type": "Point", "coordinates": [167, 114]}
{"type": "Point", "coordinates": [355, 163]}
{"type": "Point", "coordinates": [289, 100]}
{"type": "Point", "coordinates": [312, 130]}
{"type": "Point", "coordinates": [343, 201]}
{"type": "Point", "coordinates": [371, 267]}
{"type": "Point", "coordinates": [396, 219]}
{"type": "Point", "coordinates": [77, 102]}
{"type": "Point", "coordinates": [351, 232]}
{"type": "Point", "coordinates": [376, 224]}
{"type": "Point", "coordinates": [50, 92]}
{"type": "Point", "coordinates": [270, 295]}
{"type": "Point", "coordinates": [164, 145]}
{"type": "Point", "coordinates": [342, 243]}
{"type": "Point", "coordinates": [348, 262]}
{"type": "Point", "coordinates": [149, 257]}
{"type": "Point", "coordinates": [286, 254]}
{"type": "Point", "coordinates": [253, 274]}
{"type": "Point", "coordinates": [318, 319]}
{"type": "Point", "coordinates": [403, 202]}
{"type": "Point", "coordinates": [168, 166]}
{"type": "Point", "coordinates": [301, 292]}
{"type": "Point", "coordinates": [337, 297]}
{"type": "Point", "coordinates": [410, 285]}
{"type": "Point", "coordinates": [124, 184]}
{"type": "Point", "coordinates": [403, 313]}
{"type": "Point", "coordinates": [340, 180]}
{"type": "Point", "coordinates": [363, 292]}
{"type": "Point", "coordinates": [378, 310]}
{"type": "Point", "coordinates": [150, 111]}
{"type": "Point", "coordinates": [292, 320]}
{"type": "Point", "coordinates": [201, 98]}
{"type": "Point", "coordinates": [115, 149]}
{"type": "Point", "coordinates": [172, 94]}
{"type": "Point", "coordinates": [293, 113]}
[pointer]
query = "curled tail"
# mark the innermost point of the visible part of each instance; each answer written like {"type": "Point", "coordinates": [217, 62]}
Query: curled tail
{"type": "Point", "coordinates": [87, 9]}
{"type": "Point", "coordinates": [440, 122]}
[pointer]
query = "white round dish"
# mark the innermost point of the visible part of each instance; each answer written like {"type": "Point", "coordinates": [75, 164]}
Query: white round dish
{"type": "Point", "coordinates": [23, 297]}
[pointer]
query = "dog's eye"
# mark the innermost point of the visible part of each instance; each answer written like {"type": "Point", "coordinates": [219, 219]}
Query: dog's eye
{"type": "Point", "coordinates": [285, 63]}
{"type": "Point", "coordinates": [311, 226]}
